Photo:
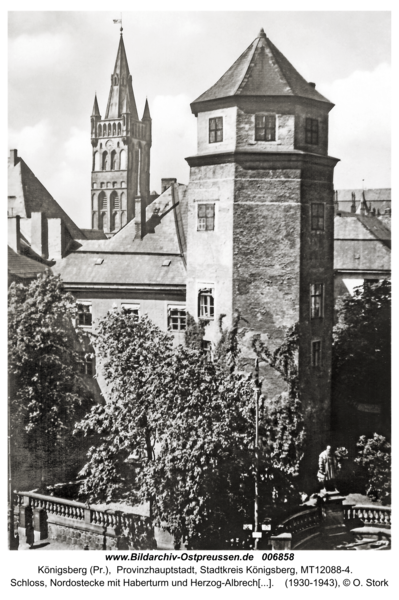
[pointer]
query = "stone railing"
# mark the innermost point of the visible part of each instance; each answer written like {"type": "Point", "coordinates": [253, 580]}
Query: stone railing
{"type": "Point", "coordinates": [369, 514]}
{"type": "Point", "coordinates": [301, 527]}
{"type": "Point", "coordinates": [78, 524]}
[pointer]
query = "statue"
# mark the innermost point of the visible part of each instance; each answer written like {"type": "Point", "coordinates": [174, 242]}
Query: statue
{"type": "Point", "coordinates": [328, 468]}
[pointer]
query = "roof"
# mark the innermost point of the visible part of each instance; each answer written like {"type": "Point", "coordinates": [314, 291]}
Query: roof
{"type": "Point", "coordinates": [129, 260]}
{"type": "Point", "coordinates": [23, 267]}
{"type": "Point", "coordinates": [361, 243]}
{"type": "Point", "coordinates": [94, 234]}
{"type": "Point", "coordinates": [26, 194]}
{"type": "Point", "coordinates": [261, 70]}
{"type": "Point", "coordinates": [378, 194]}
{"type": "Point", "coordinates": [121, 97]}
{"type": "Point", "coordinates": [96, 110]}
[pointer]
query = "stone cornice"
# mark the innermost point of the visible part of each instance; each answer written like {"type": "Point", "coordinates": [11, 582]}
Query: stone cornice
{"type": "Point", "coordinates": [249, 159]}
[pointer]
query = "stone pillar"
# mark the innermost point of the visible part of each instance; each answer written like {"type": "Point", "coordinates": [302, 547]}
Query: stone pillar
{"type": "Point", "coordinates": [282, 541]}
{"type": "Point", "coordinates": [39, 524]}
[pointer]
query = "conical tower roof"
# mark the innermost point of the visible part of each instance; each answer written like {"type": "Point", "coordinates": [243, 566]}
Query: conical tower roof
{"type": "Point", "coordinates": [261, 70]}
{"type": "Point", "coordinates": [146, 113]}
{"type": "Point", "coordinates": [121, 97]}
{"type": "Point", "coordinates": [96, 110]}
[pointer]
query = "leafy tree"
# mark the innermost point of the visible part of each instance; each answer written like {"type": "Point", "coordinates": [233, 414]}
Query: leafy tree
{"type": "Point", "coordinates": [47, 396]}
{"type": "Point", "coordinates": [374, 457]}
{"type": "Point", "coordinates": [361, 369]}
{"type": "Point", "coordinates": [188, 425]}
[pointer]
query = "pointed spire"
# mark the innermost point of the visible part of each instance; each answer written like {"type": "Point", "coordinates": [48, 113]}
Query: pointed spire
{"type": "Point", "coordinates": [121, 94]}
{"type": "Point", "coordinates": [262, 33]}
{"type": "Point", "coordinates": [146, 113]}
{"type": "Point", "coordinates": [96, 110]}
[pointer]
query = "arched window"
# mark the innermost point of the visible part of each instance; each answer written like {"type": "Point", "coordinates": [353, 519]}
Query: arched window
{"type": "Point", "coordinates": [105, 130]}
{"type": "Point", "coordinates": [94, 185]}
{"type": "Point", "coordinates": [103, 221]}
{"type": "Point", "coordinates": [105, 159]}
{"type": "Point", "coordinates": [109, 128]}
{"type": "Point", "coordinates": [100, 130]}
{"type": "Point", "coordinates": [102, 184]}
{"type": "Point", "coordinates": [114, 184]}
{"type": "Point", "coordinates": [123, 201]}
{"type": "Point", "coordinates": [123, 219]}
{"type": "Point", "coordinates": [115, 201]}
{"type": "Point", "coordinates": [113, 160]}
{"type": "Point", "coordinates": [123, 160]}
{"type": "Point", "coordinates": [114, 129]}
{"type": "Point", "coordinates": [119, 129]}
{"type": "Point", "coordinates": [94, 202]}
{"type": "Point", "coordinates": [102, 200]}
{"type": "Point", "coordinates": [94, 221]}
{"type": "Point", "coordinates": [122, 184]}
{"type": "Point", "coordinates": [117, 220]}
{"type": "Point", "coordinates": [96, 161]}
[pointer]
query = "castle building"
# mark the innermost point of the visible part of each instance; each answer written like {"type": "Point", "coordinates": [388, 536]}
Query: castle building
{"type": "Point", "coordinates": [253, 231]}
{"type": "Point", "coordinates": [121, 144]}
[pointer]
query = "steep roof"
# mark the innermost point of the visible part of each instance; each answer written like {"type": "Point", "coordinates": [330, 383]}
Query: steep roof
{"type": "Point", "coordinates": [361, 243]}
{"type": "Point", "coordinates": [261, 70]}
{"type": "Point", "coordinates": [121, 97]}
{"type": "Point", "coordinates": [96, 110]}
{"type": "Point", "coordinates": [23, 267]}
{"type": "Point", "coordinates": [26, 194]}
{"type": "Point", "coordinates": [130, 260]}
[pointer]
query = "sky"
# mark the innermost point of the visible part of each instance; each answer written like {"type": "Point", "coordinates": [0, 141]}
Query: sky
{"type": "Point", "coordinates": [58, 60]}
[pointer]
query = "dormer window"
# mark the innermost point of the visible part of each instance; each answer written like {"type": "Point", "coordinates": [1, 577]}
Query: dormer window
{"type": "Point", "coordinates": [312, 131]}
{"type": "Point", "coordinates": [215, 130]}
{"type": "Point", "coordinates": [265, 128]}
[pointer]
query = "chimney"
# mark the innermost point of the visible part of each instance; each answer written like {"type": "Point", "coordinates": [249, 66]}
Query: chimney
{"type": "Point", "coordinates": [14, 239]}
{"type": "Point", "coordinates": [13, 160]}
{"type": "Point", "coordinates": [353, 205]}
{"type": "Point", "coordinates": [166, 183]}
{"type": "Point", "coordinates": [56, 238]}
{"type": "Point", "coordinates": [139, 218]}
{"type": "Point", "coordinates": [38, 237]}
{"type": "Point", "coordinates": [312, 84]}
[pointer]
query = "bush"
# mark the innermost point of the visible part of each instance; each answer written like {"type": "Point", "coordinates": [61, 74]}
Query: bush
{"type": "Point", "coordinates": [374, 457]}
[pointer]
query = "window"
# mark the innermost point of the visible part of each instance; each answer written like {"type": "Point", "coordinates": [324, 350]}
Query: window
{"type": "Point", "coordinates": [216, 130]}
{"type": "Point", "coordinates": [119, 131]}
{"type": "Point", "coordinates": [312, 131]}
{"type": "Point", "coordinates": [113, 160]}
{"type": "Point", "coordinates": [206, 304]}
{"type": "Point", "coordinates": [114, 129]}
{"type": "Point", "coordinates": [207, 349]}
{"type": "Point", "coordinates": [316, 300]}
{"type": "Point", "coordinates": [317, 216]}
{"type": "Point", "coordinates": [316, 353]}
{"type": "Point", "coordinates": [132, 309]}
{"type": "Point", "coordinates": [177, 318]}
{"type": "Point", "coordinates": [102, 200]}
{"type": "Point", "coordinates": [99, 130]}
{"type": "Point", "coordinates": [206, 217]}
{"type": "Point", "coordinates": [84, 315]}
{"type": "Point", "coordinates": [109, 129]}
{"type": "Point", "coordinates": [105, 158]}
{"type": "Point", "coordinates": [87, 366]}
{"type": "Point", "coordinates": [265, 128]}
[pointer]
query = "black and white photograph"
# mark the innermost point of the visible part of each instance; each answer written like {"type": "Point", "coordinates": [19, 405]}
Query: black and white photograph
{"type": "Point", "coordinates": [199, 291]}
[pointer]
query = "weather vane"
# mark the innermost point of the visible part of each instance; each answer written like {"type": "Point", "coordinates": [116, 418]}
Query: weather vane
{"type": "Point", "coordinates": [118, 21]}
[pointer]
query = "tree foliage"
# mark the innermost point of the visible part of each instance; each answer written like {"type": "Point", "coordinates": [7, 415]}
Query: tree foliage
{"type": "Point", "coordinates": [178, 431]}
{"type": "Point", "coordinates": [374, 457]}
{"type": "Point", "coordinates": [361, 368]}
{"type": "Point", "coordinates": [47, 395]}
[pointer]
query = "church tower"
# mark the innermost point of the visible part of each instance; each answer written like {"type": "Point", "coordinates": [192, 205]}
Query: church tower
{"type": "Point", "coordinates": [121, 153]}
{"type": "Point", "coordinates": [261, 218]}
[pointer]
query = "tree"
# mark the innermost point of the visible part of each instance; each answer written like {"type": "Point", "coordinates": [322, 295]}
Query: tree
{"type": "Point", "coordinates": [374, 457]}
{"type": "Point", "coordinates": [47, 395]}
{"type": "Point", "coordinates": [187, 424]}
{"type": "Point", "coordinates": [361, 369]}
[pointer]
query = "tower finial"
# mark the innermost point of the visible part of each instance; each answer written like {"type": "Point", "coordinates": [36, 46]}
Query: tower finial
{"type": "Point", "coordinates": [262, 33]}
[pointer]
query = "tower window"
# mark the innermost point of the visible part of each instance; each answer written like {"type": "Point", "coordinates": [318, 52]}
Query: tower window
{"type": "Point", "coordinates": [104, 164]}
{"type": "Point", "coordinates": [316, 353]}
{"type": "Point", "coordinates": [206, 304]}
{"type": "Point", "coordinates": [105, 130]}
{"type": "Point", "coordinates": [177, 318]}
{"type": "Point", "coordinates": [216, 130]}
{"type": "Point", "coordinates": [85, 318]}
{"type": "Point", "coordinates": [115, 201]}
{"type": "Point", "coordinates": [86, 367]}
{"type": "Point", "coordinates": [114, 129]}
{"type": "Point", "coordinates": [312, 131]}
{"type": "Point", "coordinates": [265, 128]}
{"type": "Point", "coordinates": [316, 300]}
{"type": "Point", "coordinates": [99, 130]}
{"type": "Point", "coordinates": [109, 128]}
{"type": "Point", "coordinates": [113, 160]}
{"type": "Point", "coordinates": [102, 199]}
{"type": "Point", "coordinates": [119, 130]}
{"type": "Point", "coordinates": [206, 217]}
{"type": "Point", "coordinates": [317, 216]}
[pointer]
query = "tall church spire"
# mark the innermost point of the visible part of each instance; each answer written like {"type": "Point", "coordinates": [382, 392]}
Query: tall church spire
{"type": "Point", "coordinates": [96, 110]}
{"type": "Point", "coordinates": [121, 92]}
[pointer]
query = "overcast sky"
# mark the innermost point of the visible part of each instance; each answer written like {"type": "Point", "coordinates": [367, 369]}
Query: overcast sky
{"type": "Point", "coordinates": [57, 60]}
